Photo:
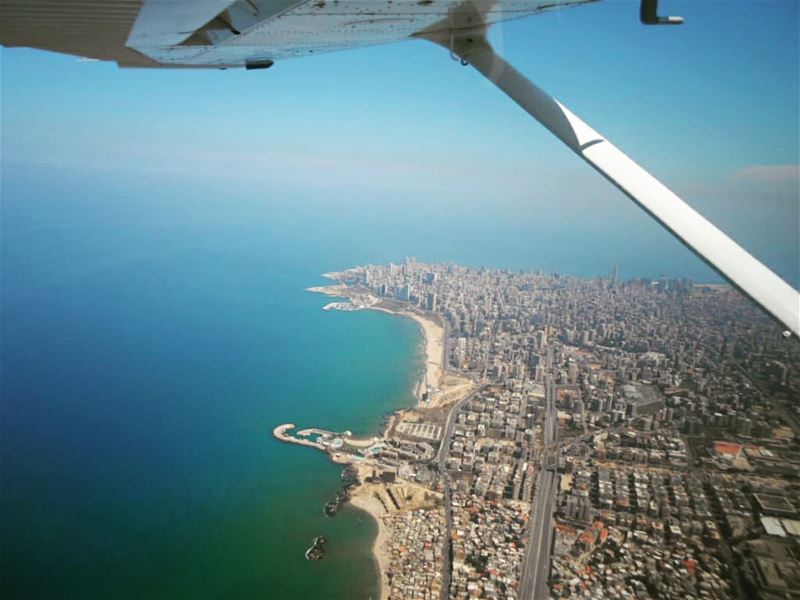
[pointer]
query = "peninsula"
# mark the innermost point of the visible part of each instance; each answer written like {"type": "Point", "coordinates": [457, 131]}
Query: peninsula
{"type": "Point", "coordinates": [389, 488]}
{"type": "Point", "coordinates": [577, 437]}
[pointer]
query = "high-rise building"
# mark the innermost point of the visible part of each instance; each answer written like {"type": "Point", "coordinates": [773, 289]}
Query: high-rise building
{"type": "Point", "coordinates": [572, 373]}
{"type": "Point", "coordinates": [614, 275]}
{"type": "Point", "coordinates": [541, 339]}
{"type": "Point", "coordinates": [431, 302]}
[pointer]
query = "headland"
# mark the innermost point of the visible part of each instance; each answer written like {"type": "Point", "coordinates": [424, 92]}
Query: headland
{"type": "Point", "coordinates": [437, 386]}
{"type": "Point", "coordinates": [579, 381]}
{"type": "Point", "coordinates": [387, 487]}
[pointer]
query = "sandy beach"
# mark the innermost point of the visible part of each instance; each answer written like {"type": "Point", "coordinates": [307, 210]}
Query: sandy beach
{"type": "Point", "coordinates": [362, 497]}
{"type": "Point", "coordinates": [442, 388]}
{"type": "Point", "coordinates": [433, 334]}
{"type": "Point", "coordinates": [411, 496]}
{"type": "Point", "coordinates": [434, 348]}
{"type": "Point", "coordinates": [432, 331]}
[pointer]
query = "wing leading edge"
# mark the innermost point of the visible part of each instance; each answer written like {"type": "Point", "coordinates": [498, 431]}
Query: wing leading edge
{"type": "Point", "coordinates": [231, 33]}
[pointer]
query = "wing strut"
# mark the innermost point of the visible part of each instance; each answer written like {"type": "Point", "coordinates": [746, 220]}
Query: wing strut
{"type": "Point", "coordinates": [732, 261]}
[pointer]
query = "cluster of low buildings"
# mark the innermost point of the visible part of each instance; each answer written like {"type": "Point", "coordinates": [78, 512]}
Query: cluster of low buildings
{"type": "Point", "coordinates": [612, 562]}
{"type": "Point", "coordinates": [491, 449]}
{"type": "Point", "coordinates": [716, 513]}
{"type": "Point", "coordinates": [658, 524]}
{"type": "Point", "coordinates": [488, 539]}
{"type": "Point", "coordinates": [664, 448]}
{"type": "Point", "coordinates": [415, 554]}
{"type": "Point", "coordinates": [678, 462]}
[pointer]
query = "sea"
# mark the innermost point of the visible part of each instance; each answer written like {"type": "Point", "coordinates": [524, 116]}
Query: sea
{"type": "Point", "coordinates": [155, 329]}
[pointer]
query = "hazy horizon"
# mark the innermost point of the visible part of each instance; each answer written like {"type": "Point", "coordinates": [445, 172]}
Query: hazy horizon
{"type": "Point", "coordinates": [408, 143]}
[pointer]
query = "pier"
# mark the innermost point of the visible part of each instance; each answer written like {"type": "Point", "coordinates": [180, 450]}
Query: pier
{"type": "Point", "coordinates": [280, 432]}
{"type": "Point", "coordinates": [341, 446]}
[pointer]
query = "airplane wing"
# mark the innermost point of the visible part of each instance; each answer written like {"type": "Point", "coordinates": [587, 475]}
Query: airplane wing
{"type": "Point", "coordinates": [696, 232]}
{"type": "Point", "coordinates": [255, 33]}
{"type": "Point", "coordinates": [233, 33]}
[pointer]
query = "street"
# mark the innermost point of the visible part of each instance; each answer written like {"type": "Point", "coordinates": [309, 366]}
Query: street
{"type": "Point", "coordinates": [441, 460]}
{"type": "Point", "coordinates": [536, 564]}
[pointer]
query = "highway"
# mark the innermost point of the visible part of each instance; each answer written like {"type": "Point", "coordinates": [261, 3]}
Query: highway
{"type": "Point", "coordinates": [536, 564]}
{"type": "Point", "coordinates": [441, 460]}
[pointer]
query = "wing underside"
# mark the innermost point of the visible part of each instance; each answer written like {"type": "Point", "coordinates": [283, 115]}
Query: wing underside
{"type": "Point", "coordinates": [231, 33]}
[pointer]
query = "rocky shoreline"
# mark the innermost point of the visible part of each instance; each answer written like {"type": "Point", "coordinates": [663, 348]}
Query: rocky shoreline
{"type": "Point", "coordinates": [317, 549]}
{"type": "Point", "coordinates": [349, 481]}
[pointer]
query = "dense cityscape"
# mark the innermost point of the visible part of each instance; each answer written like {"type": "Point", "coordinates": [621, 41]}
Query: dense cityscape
{"type": "Point", "coordinates": [618, 439]}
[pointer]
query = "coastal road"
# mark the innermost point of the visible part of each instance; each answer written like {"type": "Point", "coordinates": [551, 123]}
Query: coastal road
{"type": "Point", "coordinates": [536, 564]}
{"type": "Point", "coordinates": [441, 460]}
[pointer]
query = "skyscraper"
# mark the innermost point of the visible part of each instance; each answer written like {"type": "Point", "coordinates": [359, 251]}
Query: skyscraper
{"type": "Point", "coordinates": [431, 303]}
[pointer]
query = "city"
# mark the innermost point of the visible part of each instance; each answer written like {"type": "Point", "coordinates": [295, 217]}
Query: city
{"type": "Point", "coordinates": [615, 439]}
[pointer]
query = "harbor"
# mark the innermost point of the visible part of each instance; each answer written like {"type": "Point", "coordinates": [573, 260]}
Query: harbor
{"type": "Point", "coordinates": [341, 447]}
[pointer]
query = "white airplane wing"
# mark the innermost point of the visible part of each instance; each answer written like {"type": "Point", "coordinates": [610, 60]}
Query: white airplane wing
{"type": "Point", "coordinates": [690, 227]}
{"type": "Point", "coordinates": [233, 33]}
{"type": "Point", "coordinates": [256, 33]}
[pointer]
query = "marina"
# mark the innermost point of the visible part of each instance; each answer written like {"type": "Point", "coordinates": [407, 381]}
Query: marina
{"type": "Point", "coordinates": [342, 447]}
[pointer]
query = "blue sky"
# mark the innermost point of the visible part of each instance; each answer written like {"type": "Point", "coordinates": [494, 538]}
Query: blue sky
{"type": "Point", "coordinates": [710, 107]}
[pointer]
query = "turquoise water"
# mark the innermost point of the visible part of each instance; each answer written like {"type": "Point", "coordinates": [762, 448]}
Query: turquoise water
{"type": "Point", "coordinates": [146, 359]}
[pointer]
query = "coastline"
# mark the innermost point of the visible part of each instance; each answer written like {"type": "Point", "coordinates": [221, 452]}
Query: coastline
{"type": "Point", "coordinates": [435, 391]}
{"type": "Point", "coordinates": [437, 387]}
{"type": "Point", "coordinates": [374, 499]}
{"type": "Point", "coordinates": [433, 344]}
{"type": "Point", "coordinates": [361, 499]}
{"type": "Point", "coordinates": [433, 334]}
